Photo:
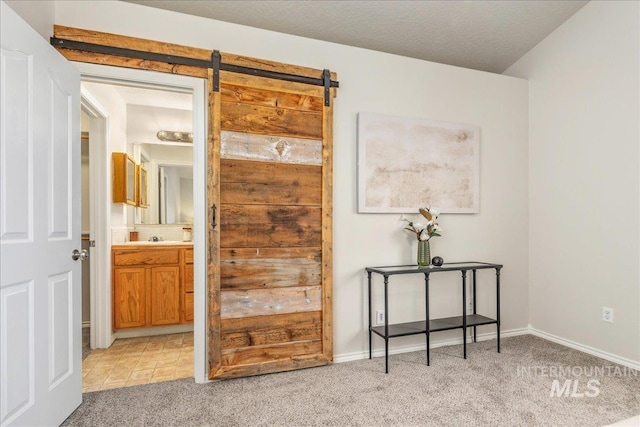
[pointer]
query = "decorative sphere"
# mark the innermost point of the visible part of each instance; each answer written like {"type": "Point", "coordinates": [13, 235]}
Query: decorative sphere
{"type": "Point", "coordinates": [437, 261]}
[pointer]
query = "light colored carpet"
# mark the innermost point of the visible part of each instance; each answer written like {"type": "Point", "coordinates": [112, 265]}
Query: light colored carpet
{"type": "Point", "coordinates": [512, 388]}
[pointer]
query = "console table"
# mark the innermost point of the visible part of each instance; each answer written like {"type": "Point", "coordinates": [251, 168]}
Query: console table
{"type": "Point", "coordinates": [433, 325]}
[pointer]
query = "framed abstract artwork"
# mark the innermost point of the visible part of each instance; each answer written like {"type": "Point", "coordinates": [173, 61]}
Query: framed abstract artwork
{"type": "Point", "coordinates": [405, 163]}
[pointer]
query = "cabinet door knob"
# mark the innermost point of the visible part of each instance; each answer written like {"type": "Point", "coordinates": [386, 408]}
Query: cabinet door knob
{"type": "Point", "coordinates": [213, 216]}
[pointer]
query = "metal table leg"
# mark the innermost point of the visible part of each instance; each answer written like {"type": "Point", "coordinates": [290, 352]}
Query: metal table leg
{"type": "Point", "coordinates": [369, 294]}
{"type": "Point", "coordinates": [386, 324]}
{"type": "Point", "coordinates": [464, 313]}
{"type": "Point", "coordinates": [427, 326]}
{"type": "Point", "coordinates": [498, 306]}
{"type": "Point", "coordinates": [473, 278]}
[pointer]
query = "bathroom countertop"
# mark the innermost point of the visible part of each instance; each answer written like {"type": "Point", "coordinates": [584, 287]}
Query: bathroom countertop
{"type": "Point", "coordinates": [158, 243]}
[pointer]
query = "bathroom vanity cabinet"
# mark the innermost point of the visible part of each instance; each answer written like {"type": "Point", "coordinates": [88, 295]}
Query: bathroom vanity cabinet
{"type": "Point", "coordinates": [152, 285]}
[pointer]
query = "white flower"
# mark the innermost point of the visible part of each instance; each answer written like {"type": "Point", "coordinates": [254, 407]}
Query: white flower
{"type": "Point", "coordinates": [423, 231]}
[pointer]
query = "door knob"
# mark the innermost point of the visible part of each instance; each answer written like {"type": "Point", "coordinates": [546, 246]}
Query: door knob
{"type": "Point", "coordinates": [79, 255]}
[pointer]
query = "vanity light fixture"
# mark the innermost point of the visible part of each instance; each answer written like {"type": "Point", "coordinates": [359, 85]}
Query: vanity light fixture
{"type": "Point", "coordinates": [174, 136]}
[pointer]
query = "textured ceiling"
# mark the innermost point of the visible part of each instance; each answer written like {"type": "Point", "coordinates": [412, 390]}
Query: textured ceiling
{"type": "Point", "coordinates": [482, 35]}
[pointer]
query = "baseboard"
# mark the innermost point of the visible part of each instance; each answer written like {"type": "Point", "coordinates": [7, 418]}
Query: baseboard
{"type": "Point", "coordinates": [586, 349]}
{"type": "Point", "coordinates": [156, 330]}
{"type": "Point", "coordinates": [359, 355]}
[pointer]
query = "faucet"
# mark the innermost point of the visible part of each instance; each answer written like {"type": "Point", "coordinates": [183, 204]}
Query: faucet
{"type": "Point", "coordinates": [154, 239]}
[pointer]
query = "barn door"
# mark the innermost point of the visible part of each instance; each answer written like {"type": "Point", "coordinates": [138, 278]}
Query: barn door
{"type": "Point", "coordinates": [271, 305]}
{"type": "Point", "coordinates": [269, 190]}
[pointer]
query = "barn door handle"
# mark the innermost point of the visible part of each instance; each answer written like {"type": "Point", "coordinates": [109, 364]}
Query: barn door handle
{"type": "Point", "coordinates": [213, 216]}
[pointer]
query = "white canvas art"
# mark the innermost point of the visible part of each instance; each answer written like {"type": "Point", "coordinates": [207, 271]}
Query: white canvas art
{"type": "Point", "coordinates": [405, 163]}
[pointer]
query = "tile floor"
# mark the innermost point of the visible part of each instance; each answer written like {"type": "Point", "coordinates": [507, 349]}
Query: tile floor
{"type": "Point", "coordinates": [135, 361]}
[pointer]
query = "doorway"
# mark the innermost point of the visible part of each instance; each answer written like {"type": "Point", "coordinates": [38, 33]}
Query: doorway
{"type": "Point", "coordinates": [110, 223]}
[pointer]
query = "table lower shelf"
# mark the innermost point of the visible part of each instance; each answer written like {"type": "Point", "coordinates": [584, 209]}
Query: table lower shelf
{"type": "Point", "coordinates": [435, 325]}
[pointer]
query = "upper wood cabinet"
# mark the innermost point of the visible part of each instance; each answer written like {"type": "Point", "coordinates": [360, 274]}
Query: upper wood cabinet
{"type": "Point", "coordinates": [141, 181]}
{"type": "Point", "coordinates": [124, 179]}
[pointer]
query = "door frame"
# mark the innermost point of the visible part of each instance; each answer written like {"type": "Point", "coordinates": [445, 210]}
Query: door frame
{"type": "Point", "coordinates": [102, 291]}
{"type": "Point", "coordinates": [101, 335]}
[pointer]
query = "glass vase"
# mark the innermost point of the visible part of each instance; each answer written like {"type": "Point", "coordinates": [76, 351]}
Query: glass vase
{"type": "Point", "coordinates": [424, 253]}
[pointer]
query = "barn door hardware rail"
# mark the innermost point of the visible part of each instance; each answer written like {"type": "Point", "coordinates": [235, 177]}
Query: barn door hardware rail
{"type": "Point", "coordinates": [216, 64]}
{"type": "Point", "coordinates": [128, 53]}
{"type": "Point", "coordinates": [325, 80]}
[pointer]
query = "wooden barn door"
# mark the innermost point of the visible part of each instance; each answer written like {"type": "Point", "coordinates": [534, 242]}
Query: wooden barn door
{"type": "Point", "coordinates": [271, 195]}
{"type": "Point", "coordinates": [269, 190]}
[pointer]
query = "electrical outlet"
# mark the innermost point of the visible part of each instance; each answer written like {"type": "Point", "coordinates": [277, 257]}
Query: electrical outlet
{"type": "Point", "coordinates": [607, 314]}
{"type": "Point", "coordinates": [380, 317]}
{"type": "Point", "coordinates": [470, 306]}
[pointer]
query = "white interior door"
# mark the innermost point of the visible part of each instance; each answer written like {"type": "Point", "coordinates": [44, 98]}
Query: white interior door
{"type": "Point", "coordinates": [40, 284]}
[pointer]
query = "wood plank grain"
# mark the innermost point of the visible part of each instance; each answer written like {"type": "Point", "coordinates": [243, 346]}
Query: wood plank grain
{"type": "Point", "coordinates": [270, 98]}
{"type": "Point", "coordinates": [129, 302]}
{"type": "Point", "coordinates": [248, 182]}
{"type": "Point", "coordinates": [263, 64]}
{"type": "Point", "coordinates": [258, 226]}
{"type": "Point", "coordinates": [188, 307]}
{"type": "Point", "coordinates": [327, 231]}
{"type": "Point", "coordinates": [141, 64]}
{"type": "Point", "coordinates": [116, 40]}
{"type": "Point", "coordinates": [146, 256]}
{"type": "Point", "coordinates": [188, 255]}
{"type": "Point", "coordinates": [213, 241]}
{"type": "Point", "coordinates": [266, 302]}
{"type": "Point", "coordinates": [254, 270]}
{"type": "Point", "coordinates": [239, 214]}
{"type": "Point", "coordinates": [241, 117]}
{"type": "Point", "coordinates": [248, 146]}
{"type": "Point", "coordinates": [268, 236]}
{"type": "Point", "coordinates": [165, 295]}
{"type": "Point", "coordinates": [231, 254]}
{"type": "Point", "coordinates": [263, 330]}
{"type": "Point", "coordinates": [282, 365]}
{"type": "Point", "coordinates": [188, 278]}
{"type": "Point", "coordinates": [268, 353]}
{"type": "Point", "coordinates": [264, 83]}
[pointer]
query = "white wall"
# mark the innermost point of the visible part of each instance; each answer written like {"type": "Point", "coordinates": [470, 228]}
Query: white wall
{"type": "Point", "coordinates": [145, 121]}
{"type": "Point", "coordinates": [38, 14]}
{"type": "Point", "coordinates": [186, 200]}
{"type": "Point", "coordinates": [387, 84]}
{"type": "Point", "coordinates": [111, 101]}
{"type": "Point", "coordinates": [584, 112]}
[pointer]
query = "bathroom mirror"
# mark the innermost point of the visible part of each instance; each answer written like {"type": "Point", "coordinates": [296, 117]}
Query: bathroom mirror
{"type": "Point", "coordinates": [170, 184]}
